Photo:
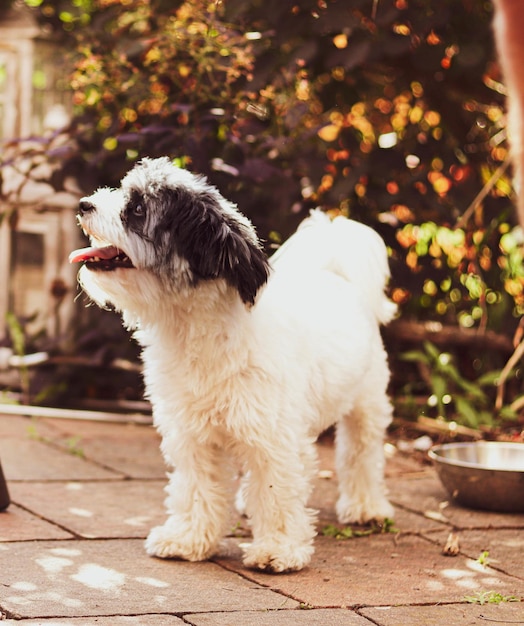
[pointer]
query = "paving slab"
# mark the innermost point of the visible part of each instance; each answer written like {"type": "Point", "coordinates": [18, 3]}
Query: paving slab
{"type": "Point", "coordinates": [86, 493]}
{"type": "Point", "coordinates": [119, 620]}
{"type": "Point", "coordinates": [104, 509]}
{"type": "Point", "coordinates": [18, 426]}
{"type": "Point", "coordinates": [100, 509]}
{"type": "Point", "coordinates": [502, 549]}
{"type": "Point", "coordinates": [503, 614]}
{"type": "Point", "coordinates": [126, 449]}
{"type": "Point", "coordinates": [293, 617]}
{"type": "Point", "coordinates": [411, 570]}
{"type": "Point", "coordinates": [425, 494]}
{"type": "Point", "coordinates": [30, 459]}
{"type": "Point", "coordinates": [131, 449]}
{"type": "Point", "coordinates": [17, 524]}
{"type": "Point", "coordinates": [94, 578]}
{"type": "Point", "coordinates": [25, 456]}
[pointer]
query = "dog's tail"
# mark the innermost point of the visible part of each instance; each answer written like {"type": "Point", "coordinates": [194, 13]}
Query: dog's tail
{"type": "Point", "coordinates": [347, 248]}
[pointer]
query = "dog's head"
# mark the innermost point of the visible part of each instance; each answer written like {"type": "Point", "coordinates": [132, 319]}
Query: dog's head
{"type": "Point", "coordinates": [174, 226]}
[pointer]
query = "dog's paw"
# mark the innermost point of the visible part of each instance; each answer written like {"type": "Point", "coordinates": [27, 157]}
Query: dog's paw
{"type": "Point", "coordinates": [358, 512]}
{"type": "Point", "coordinates": [277, 556]}
{"type": "Point", "coordinates": [166, 542]}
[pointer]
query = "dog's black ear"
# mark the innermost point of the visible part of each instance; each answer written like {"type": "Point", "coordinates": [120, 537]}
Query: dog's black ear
{"type": "Point", "coordinates": [216, 242]}
{"type": "Point", "coordinates": [239, 261]}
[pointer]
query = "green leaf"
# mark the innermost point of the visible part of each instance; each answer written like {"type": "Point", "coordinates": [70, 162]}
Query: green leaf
{"type": "Point", "coordinates": [489, 378]}
{"type": "Point", "coordinates": [415, 356]}
{"type": "Point", "coordinates": [467, 412]}
{"type": "Point", "coordinates": [432, 350]}
{"type": "Point", "coordinates": [473, 389]}
{"type": "Point", "coordinates": [507, 413]}
{"type": "Point", "coordinates": [439, 386]}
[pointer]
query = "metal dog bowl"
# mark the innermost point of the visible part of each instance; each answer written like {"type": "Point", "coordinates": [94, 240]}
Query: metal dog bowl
{"type": "Point", "coordinates": [483, 475]}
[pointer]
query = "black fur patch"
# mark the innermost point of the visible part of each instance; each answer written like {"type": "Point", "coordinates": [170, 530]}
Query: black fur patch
{"type": "Point", "coordinates": [194, 227]}
{"type": "Point", "coordinates": [136, 215]}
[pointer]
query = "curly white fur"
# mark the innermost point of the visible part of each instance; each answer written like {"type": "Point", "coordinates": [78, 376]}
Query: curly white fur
{"type": "Point", "coordinates": [240, 377]}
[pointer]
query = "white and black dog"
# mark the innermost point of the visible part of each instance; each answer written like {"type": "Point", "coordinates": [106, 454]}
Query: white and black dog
{"type": "Point", "coordinates": [246, 361]}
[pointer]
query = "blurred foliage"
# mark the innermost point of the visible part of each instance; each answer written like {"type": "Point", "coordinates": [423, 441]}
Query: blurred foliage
{"type": "Point", "coordinates": [453, 396]}
{"type": "Point", "coordinates": [388, 111]}
{"type": "Point", "coordinates": [391, 112]}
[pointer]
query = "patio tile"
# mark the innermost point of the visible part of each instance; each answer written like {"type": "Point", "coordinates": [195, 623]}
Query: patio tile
{"type": "Point", "coordinates": [130, 449]}
{"type": "Point", "coordinates": [34, 460]}
{"type": "Point", "coordinates": [296, 617]}
{"type": "Point", "coordinates": [16, 524]}
{"type": "Point", "coordinates": [103, 509]}
{"type": "Point", "coordinates": [411, 570]}
{"type": "Point", "coordinates": [94, 578]}
{"type": "Point", "coordinates": [425, 494]}
{"type": "Point", "coordinates": [26, 454]}
{"type": "Point", "coordinates": [88, 566]}
{"type": "Point", "coordinates": [502, 549]}
{"type": "Point", "coordinates": [14, 426]}
{"type": "Point", "coordinates": [504, 614]}
{"type": "Point", "coordinates": [125, 620]}
{"type": "Point", "coordinates": [505, 548]}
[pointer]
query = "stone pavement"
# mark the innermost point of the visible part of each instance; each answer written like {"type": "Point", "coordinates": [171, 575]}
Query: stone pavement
{"type": "Point", "coordinates": [84, 495]}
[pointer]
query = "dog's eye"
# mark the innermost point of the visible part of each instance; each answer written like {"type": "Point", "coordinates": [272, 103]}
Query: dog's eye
{"type": "Point", "coordinates": [139, 210]}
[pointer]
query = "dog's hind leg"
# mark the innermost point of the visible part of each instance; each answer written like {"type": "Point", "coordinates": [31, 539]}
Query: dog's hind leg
{"type": "Point", "coordinates": [197, 502]}
{"type": "Point", "coordinates": [360, 461]}
{"type": "Point", "coordinates": [276, 494]}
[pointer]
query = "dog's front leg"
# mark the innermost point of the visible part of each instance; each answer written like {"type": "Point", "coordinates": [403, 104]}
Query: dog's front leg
{"type": "Point", "coordinates": [277, 490]}
{"type": "Point", "coordinates": [197, 502]}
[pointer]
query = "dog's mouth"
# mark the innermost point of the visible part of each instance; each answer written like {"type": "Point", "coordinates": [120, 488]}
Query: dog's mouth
{"type": "Point", "coordinates": [105, 259]}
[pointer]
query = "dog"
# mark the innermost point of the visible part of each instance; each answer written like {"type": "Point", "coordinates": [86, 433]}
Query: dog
{"type": "Point", "coordinates": [246, 360]}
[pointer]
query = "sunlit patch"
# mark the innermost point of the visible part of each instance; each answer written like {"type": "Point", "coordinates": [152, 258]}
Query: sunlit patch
{"type": "Point", "coordinates": [98, 577]}
{"type": "Point", "coordinates": [24, 586]}
{"type": "Point", "coordinates": [19, 600]}
{"type": "Point", "coordinates": [74, 487]}
{"type": "Point", "coordinates": [514, 543]}
{"type": "Point", "coordinates": [53, 564]}
{"type": "Point", "coordinates": [476, 566]}
{"type": "Point", "coordinates": [81, 512]}
{"type": "Point", "coordinates": [455, 574]}
{"type": "Point", "coordinates": [48, 596]}
{"type": "Point", "coordinates": [159, 600]}
{"type": "Point", "coordinates": [468, 579]}
{"type": "Point", "coordinates": [139, 520]}
{"type": "Point", "coordinates": [66, 551]}
{"type": "Point", "coordinates": [152, 582]}
{"type": "Point", "coordinates": [434, 585]}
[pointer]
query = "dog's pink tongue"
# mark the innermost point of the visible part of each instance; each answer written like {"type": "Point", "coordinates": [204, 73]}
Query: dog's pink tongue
{"type": "Point", "coordinates": [108, 252]}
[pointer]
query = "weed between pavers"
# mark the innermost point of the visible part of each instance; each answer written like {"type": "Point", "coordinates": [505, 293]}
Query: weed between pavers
{"type": "Point", "coordinates": [348, 532]}
{"type": "Point", "coordinates": [72, 444]}
{"type": "Point", "coordinates": [484, 558]}
{"type": "Point", "coordinates": [490, 597]}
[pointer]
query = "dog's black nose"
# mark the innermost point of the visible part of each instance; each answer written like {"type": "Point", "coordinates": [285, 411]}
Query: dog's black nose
{"type": "Point", "coordinates": [85, 207]}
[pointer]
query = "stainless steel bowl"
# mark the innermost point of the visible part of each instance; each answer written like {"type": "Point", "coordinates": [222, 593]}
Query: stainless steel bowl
{"type": "Point", "coordinates": [484, 475]}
